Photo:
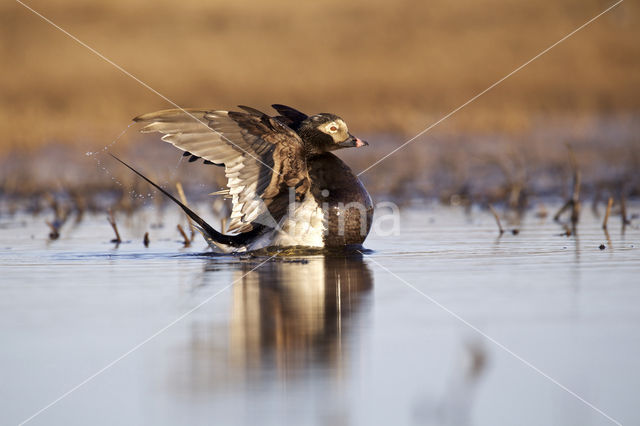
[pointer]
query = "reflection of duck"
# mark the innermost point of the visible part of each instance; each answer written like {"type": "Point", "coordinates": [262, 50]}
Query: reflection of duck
{"type": "Point", "coordinates": [286, 187]}
{"type": "Point", "coordinates": [288, 317]}
{"type": "Point", "coordinates": [291, 315]}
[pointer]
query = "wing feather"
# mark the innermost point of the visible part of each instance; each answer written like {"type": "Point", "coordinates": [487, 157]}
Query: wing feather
{"type": "Point", "coordinates": [261, 155]}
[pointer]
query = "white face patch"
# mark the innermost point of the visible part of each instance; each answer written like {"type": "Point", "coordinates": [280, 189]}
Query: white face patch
{"type": "Point", "coordinates": [330, 128]}
{"type": "Point", "coordinates": [337, 129]}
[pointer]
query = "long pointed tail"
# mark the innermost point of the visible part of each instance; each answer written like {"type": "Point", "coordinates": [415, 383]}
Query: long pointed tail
{"type": "Point", "coordinates": [215, 236]}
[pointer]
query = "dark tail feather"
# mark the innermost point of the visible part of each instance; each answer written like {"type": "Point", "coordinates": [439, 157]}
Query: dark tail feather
{"type": "Point", "coordinates": [232, 240]}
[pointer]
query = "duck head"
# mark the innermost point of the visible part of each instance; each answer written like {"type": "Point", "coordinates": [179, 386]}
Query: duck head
{"type": "Point", "coordinates": [327, 132]}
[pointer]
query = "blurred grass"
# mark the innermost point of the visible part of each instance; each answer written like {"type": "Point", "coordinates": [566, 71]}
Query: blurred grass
{"type": "Point", "coordinates": [385, 66]}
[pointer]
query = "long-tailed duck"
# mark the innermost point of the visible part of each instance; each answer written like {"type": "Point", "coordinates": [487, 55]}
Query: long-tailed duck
{"type": "Point", "coordinates": [287, 188]}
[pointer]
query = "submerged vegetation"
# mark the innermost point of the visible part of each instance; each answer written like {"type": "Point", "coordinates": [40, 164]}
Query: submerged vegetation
{"type": "Point", "coordinates": [506, 191]}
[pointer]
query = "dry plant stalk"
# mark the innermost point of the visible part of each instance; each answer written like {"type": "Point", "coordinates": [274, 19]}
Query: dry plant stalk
{"type": "Point", "coordinates": [596, 201]}
{"type": "Point", "coordinates": [61, 214]}
{"type": "Point", "coordinates": [80, 205]}
{"type": "Point", "coordinates": [112, 222]}
{"type": "Point", "coordinates": [55, 230]}
{"type": "Point", "coordinates": [495, 215]}
{"type": "Point", "coordinates": [572, 203]}
{"type": "Point", "coordinates": [145, 239]}
{"type": "Point", "coordinates": [607, 213]}
{"type": "Point", "coordinates": [183, 198]}
{"type": "Point", "coordinates": [186, 242]}
{"type": "Point", "coordinates": [623, 212]}
{"type": "Point", "coordinates": [575, 199]}
{"type": "Point", "coordinates": [606, 234]}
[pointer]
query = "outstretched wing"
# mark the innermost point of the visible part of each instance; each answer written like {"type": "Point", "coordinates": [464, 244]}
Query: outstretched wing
{"type": "Point", "coordinates": [290, 116]}
{"type": "Point", "coordinates": [262, 157]}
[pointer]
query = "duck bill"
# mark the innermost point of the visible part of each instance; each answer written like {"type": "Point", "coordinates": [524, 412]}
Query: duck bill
{"type": "Point", "coordinates": [353, 142]}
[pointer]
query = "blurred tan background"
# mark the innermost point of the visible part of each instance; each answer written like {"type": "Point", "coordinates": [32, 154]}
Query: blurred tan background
{"type": "Point", "coordinates": [385, 66]}
{"type": "Point", "coordinates": [389, 68]}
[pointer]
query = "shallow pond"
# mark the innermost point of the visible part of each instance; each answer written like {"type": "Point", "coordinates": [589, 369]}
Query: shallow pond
{"type": "Point", "coordinates": [443, 324]}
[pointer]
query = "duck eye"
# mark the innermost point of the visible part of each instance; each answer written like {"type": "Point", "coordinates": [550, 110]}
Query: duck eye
{"type": "Point", "coordinates": [333, 128]}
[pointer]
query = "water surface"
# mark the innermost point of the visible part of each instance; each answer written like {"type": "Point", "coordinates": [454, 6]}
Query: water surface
{"type": "Point", "coordinates": [404, 334]}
